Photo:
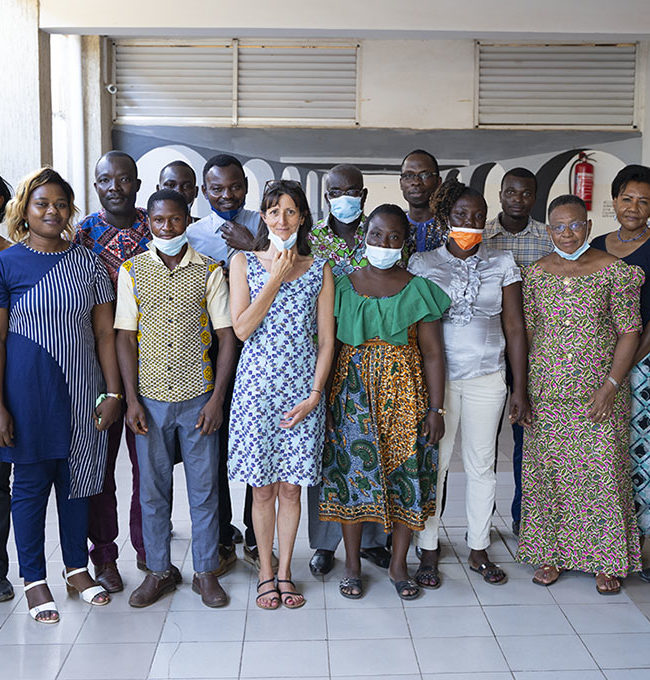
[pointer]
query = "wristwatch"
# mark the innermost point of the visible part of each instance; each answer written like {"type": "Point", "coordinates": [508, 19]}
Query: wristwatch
{"type": "Point", "coordinates": [440, 411]}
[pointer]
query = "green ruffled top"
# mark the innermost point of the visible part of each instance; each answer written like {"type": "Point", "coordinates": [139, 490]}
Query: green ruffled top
{"type": "Point", "coordinates": [361, 318]}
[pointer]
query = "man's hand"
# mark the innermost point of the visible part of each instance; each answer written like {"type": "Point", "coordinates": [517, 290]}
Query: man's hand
{"type": "Point", "coordinates": [237, 236]}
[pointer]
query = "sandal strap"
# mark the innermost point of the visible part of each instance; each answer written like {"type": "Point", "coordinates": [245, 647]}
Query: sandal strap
{"type": "Point", "coordinates": [74, 572]}
{"type": "Point", "coordinates": [90, 593]}
{"type": "Point", "coordinates": [350, 582]}
{"type": "Point", "coordinates": [261, 583]}
{"type": "Point", "coordinates": [268, 592]}
{"type": "Point", "coordinates": [33, 584]}
{"type": "Point", "coordinates": [286, 580]}
{"type": "Point", "coordinates": [45, 607]}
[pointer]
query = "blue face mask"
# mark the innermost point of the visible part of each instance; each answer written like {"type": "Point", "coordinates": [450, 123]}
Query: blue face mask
{"type": "Point", "coordinates": [346, 208]}
{"type": "Point", "coordinates": [170, 246]}
{"type": "Point", "coordinates": [228, 214]}
{"type": "Point", "coordinates": [283, 245]}
{"type": "Point", "coordinates": [575, 254]}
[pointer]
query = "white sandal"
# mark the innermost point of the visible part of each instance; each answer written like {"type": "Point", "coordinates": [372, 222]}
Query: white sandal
{"type": "Point", "coordinates": [89, 594]}
{"type": "Point", "coordinates": [45, 607]}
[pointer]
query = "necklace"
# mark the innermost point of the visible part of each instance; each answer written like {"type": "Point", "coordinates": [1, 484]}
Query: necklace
{"type": "Point", "coordinates": [629, 240]}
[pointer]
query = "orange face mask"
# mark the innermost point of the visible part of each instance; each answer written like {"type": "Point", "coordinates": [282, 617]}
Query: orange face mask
{"type": "Point", "coordinates": [466, 239]}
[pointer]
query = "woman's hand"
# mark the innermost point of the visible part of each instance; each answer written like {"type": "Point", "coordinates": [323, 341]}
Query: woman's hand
{"type": "Point", "coordinates": [602, 403]}
{"type": "Point", "coordinates": [282, 264]}
{"type": "Point", "coordinates": [434, 427]}
{"type": "Point", "coordinates": [6, 428]}
{"type": "Point", "coordinates": [300, 411]}
{"type": "Point", "coordinates": [520, 409]}
{"type": "Point", "coordinates": [107, 413]}
{"type": "Point", "coordinates": [136, 418]}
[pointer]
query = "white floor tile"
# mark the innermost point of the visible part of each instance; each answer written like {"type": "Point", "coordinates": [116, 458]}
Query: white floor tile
{"type": "Point", "coordinates": [512, 619]}
{"type": "Point", "coordinates": [108, 662]}
{"type": "Point", "coordinates": [559, 653]}
{"type": "Point", "coordinates": [558, 675]}
{"type": "Point", "coordinates": [32, 662]}
{"type": "Point", "coordinates": [624, 650]}
{"type": "Point", "coordinates": [196, 660]}
{"type": "Point", "coordinates": [506, 675]}
{"type": "Point", "coordinates": [185, 599]}
{"type": "Point", "coordinates": [121, 627]}
{"type": "Point", "coordinates": [284, 624]}
{"type": "Point", "coordinates": [581, 589]}
{"type": "Point", "coordinates": [204, 626]}
{"type": "Point", "coordinates": [357, 624]}
{"type": "Point", "coordinates": [370, 658]}
{"type": "Point", "coordinates": [460, 655]}
{"type": "Point", "coordinates": [452, 593]}
{"type": "Point", "coordinates": [516, 591]}
{"type": "Point", "coordinates": [378, 593]}
{"type": "Point", "coordinates": [428, 622]}
{"type": "Point", "coordinates": [628, 674]}
{"type": "Point", "coordinates": [606, 618]}
{"type": "Point", "coordinates": [21, 629]}
{"type": "Point", "coordinates": [300, 659]}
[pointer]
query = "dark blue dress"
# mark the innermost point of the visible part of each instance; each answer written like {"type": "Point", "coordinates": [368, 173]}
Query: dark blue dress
{"type": "Point", "coordinates": [52, 376]}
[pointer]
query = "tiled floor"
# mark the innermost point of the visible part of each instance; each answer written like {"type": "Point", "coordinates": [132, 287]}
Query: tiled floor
{"type": "Point", "coordinates": [466, 629]}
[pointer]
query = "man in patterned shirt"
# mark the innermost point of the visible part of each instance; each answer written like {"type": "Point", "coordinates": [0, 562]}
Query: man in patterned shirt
{"type": "Point", "coordinates": [418, 180]}
{"type": "Point", "coordinates": [340, 238]}
{"type": "Point", "coordinates": [116, 233]}
{"type": "Point", "coordinates": [515, 230]}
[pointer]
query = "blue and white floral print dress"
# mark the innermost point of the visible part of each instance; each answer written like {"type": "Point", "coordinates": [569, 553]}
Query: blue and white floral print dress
{"type": "Point", "coordinates": [276, 372]}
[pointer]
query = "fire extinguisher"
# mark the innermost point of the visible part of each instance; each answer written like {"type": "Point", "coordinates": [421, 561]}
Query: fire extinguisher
{"type": "Point", "coordinates": [582, 182]}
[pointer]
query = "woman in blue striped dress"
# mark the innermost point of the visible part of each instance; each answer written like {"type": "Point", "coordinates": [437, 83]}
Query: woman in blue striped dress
{"type": "Point", "coordinates": [56, 321]}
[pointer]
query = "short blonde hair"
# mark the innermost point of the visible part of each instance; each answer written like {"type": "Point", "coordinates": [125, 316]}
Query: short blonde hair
{"type": "Point", "coordinates": [17, 206]}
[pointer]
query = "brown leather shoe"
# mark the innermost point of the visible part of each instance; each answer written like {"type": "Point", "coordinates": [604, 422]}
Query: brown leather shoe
{"type": "Point", "coordinates": [227, 559]}
{"type": "Point", "coordinates": [207, 585]}
{"type": "Point", "coordinates": [109, 577]}
{"type": "Point", "coordinates": [152, 589]}
{"type": "Point", "coordinates": [174, 569]}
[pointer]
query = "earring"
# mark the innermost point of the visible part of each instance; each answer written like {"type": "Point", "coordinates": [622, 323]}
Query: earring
{"type": "Point", "coordinates": [26, 225]}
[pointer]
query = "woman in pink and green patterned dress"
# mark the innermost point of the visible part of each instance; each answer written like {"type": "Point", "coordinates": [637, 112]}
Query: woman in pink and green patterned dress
{"type": "Point", "coordinates": [582, 316]}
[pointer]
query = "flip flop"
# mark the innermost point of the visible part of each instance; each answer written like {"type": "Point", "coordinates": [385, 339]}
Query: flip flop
{"type": "Point", "coordinates": [407, 584]}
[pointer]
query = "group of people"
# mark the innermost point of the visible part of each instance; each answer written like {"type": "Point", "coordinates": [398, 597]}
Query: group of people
{"type": "Point", "coordinates": [345, 356]}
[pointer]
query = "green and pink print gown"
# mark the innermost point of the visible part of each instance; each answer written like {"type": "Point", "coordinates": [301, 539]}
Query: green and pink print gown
{"type": "Point", "coordinates": [578, 501]}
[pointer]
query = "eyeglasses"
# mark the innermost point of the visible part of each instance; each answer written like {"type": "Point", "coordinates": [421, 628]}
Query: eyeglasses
{"type": "Point", "coordinates": [559, 228]}
{"type": "Point", "coordinates": [423, 176]}
{"type": "Point", "coordinates": [337, 193]}
{"type": "Point", "coordinates": [282, 184]}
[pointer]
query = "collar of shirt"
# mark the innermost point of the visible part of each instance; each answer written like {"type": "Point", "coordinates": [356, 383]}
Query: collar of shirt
{"type": "Point", "coordinates": [191, 256]}
{"type": "Point", "coordinates": [481, 254]}
{"type": "Point", "coordinates": [494, 227]}
{"type": "Point", "coordinates": [140, 224]}
{"type": "Point", "coordinates": [359, 234]}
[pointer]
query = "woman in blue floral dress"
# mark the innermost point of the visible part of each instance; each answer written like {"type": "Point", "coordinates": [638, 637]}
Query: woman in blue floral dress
{"type": "Point", "coordinates": [282, 303]}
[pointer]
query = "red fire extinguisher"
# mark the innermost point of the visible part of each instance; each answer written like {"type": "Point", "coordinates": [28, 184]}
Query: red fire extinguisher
{"type": "Point", "coordinates": [582, 184]}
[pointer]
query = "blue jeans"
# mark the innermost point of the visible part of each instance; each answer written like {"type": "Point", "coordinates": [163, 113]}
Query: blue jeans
{"type": "Point", "coordinates": [156, 451]}
{"type": "Point", "coordinates": [30, 492]}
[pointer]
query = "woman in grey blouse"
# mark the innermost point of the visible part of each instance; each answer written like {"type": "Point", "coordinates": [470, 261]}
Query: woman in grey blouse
{"type": "Point", "coordinates": [485, 291]}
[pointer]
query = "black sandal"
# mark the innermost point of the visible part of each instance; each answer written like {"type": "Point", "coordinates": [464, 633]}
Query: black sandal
{"type": "Point", "coordinates": [491, 573]}
{"type": "Point", "coordinates": [351, 582]}
{"type": "Point", "coordinates": [407, 584]}
{"type": "Point", "coordinates": [268, 592]}
{"type": "Point", "coordinates": [428, 576]}
{"type": "Point", "coordinates": [290, 593]}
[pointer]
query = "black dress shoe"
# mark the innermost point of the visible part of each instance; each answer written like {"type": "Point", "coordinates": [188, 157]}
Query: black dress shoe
{"type": "Point", "coordinates": [378, 556]}
{"type": "Point", "coordinates": [321, 562]}
{"type": "Point", "coordinates": [515, 527]}
{"type": "Point", "coordinates": [237, 536]}
{"type": "Point", "coordinates": [6, 590]}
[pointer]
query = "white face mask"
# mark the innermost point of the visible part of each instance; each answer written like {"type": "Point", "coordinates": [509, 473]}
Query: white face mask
{"type": "Point", "coordinates": [382, 258]}
{"type": "Point", "coordinates": [283, 245]}
{"type": "Point", "coordinates": [576, 253]}
{"type": "Point", "coordinates": [170, 246]}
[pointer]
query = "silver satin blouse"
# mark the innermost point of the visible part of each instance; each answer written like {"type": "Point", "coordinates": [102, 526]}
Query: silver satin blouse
{"type": "Point", "coordinates": [474, 340]}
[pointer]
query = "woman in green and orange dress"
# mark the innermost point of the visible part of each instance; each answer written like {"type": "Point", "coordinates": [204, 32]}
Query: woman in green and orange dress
{"type": "Point", "coordinates": [386, 399]}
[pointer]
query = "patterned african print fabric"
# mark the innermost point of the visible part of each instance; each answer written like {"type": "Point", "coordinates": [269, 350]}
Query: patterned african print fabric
{"type": "Point", "coordinates": [424, 236]}
{"type": "Point", "coordinates": [326, 244]}
{"type": "Point", "coordinates": [172, 311]}
{"type": "Point", "coordinates": [377, 465]}
{"type": "Point", "coordinates": [114, 246]}
{"type": "Point", "coordinates": [577, 506]}
{"type": "Point", "coordinates": [276, 372]}
{"type": "Point", "coordinates": [52, 375]}
{"type": "Point", "coordinates": [640, 441]}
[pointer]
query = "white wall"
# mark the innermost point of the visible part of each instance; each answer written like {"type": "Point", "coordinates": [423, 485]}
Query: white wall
{"type": "Point", "coordinates": [424, 84]}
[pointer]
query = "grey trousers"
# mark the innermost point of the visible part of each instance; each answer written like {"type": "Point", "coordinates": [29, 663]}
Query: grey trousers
{"type": "Point", "coordinates": [328, 535]}
{"type": "Point", "coordinates": [200, 454]}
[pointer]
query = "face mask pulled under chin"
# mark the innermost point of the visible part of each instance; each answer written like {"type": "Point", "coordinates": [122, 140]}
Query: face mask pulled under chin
{"type": "Point", "coordinates": [466, 239]}
{"type": "Point", "coordinates": [576, 253]}
{"type": "Point", "coordinates": [382, 258]}
{"type": "Point", "coordinates": [170, 246]}
{"type": "Point", "coordinates": [283, 245]}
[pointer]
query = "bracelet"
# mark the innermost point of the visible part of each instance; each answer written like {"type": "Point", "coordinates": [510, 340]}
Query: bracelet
{"type": "Point", "coordinates": [439, 411]}
{"type": "Point", "coordinates": [319, 392]}
{"type": "Point", "coordinates": [616, 385]}
{"type": "Point", "coordinates": [106, 395]}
